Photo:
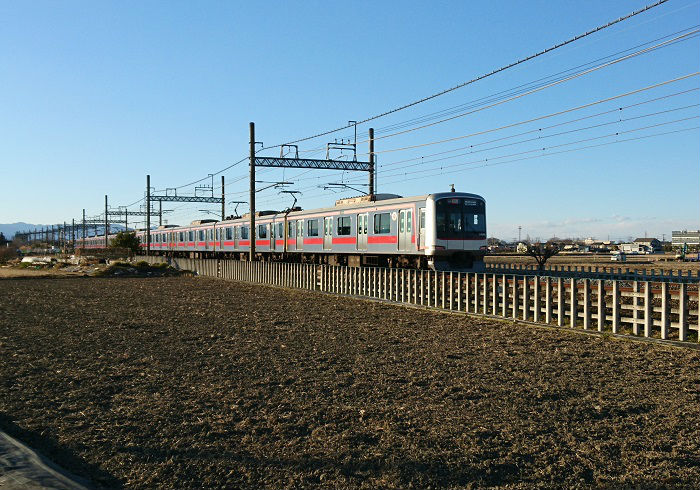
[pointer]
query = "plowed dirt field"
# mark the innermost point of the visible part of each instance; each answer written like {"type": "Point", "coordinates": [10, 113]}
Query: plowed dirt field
{"type": "Point", "coordinates": [201, 383]}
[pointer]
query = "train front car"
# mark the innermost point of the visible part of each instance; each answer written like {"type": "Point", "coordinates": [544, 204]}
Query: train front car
{"type": "Point", "coordinates": [456, 231]}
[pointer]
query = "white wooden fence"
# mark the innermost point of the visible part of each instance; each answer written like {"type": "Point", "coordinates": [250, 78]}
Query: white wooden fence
{"type": "Point", "coordinates": [633, 273]}
{"type": "Point", "coordinates": [666, 310]}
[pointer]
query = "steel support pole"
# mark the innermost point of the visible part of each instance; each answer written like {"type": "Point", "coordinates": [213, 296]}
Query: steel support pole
{"type": "Point", "coordinates": [223, 200]}
{"type": "Point", "coordinates": [160, 213]}
{"type": "Point", "coordinates": [148, 215]}
{"type": "Point", "coordinates": [84, 233]}
{"type": "Point", "coordinates": [371, 162]}
{"type": "Point", "coordinates": [252, 191]}
{"type": "Point", "coordinates": [72, 235]}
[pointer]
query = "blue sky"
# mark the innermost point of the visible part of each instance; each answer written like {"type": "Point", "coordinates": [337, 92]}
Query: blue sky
{"type": "Point", "coordinates": [95, 95]}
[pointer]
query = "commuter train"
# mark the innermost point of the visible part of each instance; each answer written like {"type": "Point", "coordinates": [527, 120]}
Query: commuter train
{"type": "Point", "coordinates": [443, 230]}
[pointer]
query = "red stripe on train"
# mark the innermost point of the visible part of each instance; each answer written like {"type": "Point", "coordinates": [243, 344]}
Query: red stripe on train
{"type": "Point", "coordinates": [345, 240]}
{"type": "Point", "coordinates": [382, 239]}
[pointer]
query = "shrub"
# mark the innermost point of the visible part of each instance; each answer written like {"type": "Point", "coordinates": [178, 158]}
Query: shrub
{"type": "Point", "coordinates": [126, 240]}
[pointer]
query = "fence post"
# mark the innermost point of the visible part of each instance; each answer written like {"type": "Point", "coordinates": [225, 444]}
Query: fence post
{"type": "Point", "coordinates": [459, 291]}
{"type": "Point", "coordinates": [504, 295]}
{"type": "Point", "coordinates": [485, 294]}
{"type": "Point", "coordinates": [467, 298]}
{"type": "Point", "coordinates": [573, 303]}
{"type": "Point", "coordinates": [442, 288]}
{"type": "Point", "coordinates": [435, 289]}
{"type": "Point", "coordinates": [452, 290]}
{"type": "Point", "coordinates": [526, 298]}
{"type": "Point", "coordinates": [616, 306]}
{"type": "Point", "coordinates": [601, 304]}
{"type": "Point", "coordinates": [682, 312]}
{"type": "Point", "coordinates": [548, 300]}
{"type": "Point", "coordinates": [516, 298]}
{"type": "Point", "coordinates": [494, 295]}
{"type": "Point", "coordinates": [586, 304]}
{"type": "Point", "coordinates": [665, 313]}
{"type": "Point", "coordinates": [536, 304]}
{"type": "Point", "coordinates": [560, 302]}
{"type": "Point", "coordinates": [648, 309]}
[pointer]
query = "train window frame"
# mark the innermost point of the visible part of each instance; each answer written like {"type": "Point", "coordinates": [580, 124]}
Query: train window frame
{"type": "Point", "coordinates": [344, 225]}
{"type": "Point", "coordinates": [245, 233]}
{"type": "Point", "coordinates": [280, 230]}
{"type": "Point", "coordinates": [290, 230]}
{"type": "Point", "coordinates": [190, 236]}
{"type": "Point", "coordinates": [229, 233]}
{"type": "Point", "coordinates": [312, 227]}
{"type": "Point", "coordinates": [200, 236]}
{"type": "Point", "coordinates": [380, 227]}
{"type": "Point", "coordinates": [262, 231]}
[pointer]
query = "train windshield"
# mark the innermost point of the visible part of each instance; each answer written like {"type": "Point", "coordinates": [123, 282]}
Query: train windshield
{"type": "Point", "coordinates": [460, 219]}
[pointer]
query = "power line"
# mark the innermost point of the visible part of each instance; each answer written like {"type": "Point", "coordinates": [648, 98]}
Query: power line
{"type": "Point", "coordinates": [486, 75]}
{"type": "Point", "coordinates": [550, 115]}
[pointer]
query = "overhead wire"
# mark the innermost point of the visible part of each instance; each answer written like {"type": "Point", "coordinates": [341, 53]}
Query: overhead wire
{"type": "Point", "coordinates": [486, 75]}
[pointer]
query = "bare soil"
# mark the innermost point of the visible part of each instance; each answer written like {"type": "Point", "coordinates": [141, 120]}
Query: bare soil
{"type": "Point", "coordinates": [201, 383]}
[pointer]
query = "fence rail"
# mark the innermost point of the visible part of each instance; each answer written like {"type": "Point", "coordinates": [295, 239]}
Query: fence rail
{"type": "Point", "coordinates": [661, 309]}
{"type": "Point", "coordinates": [598, 272]}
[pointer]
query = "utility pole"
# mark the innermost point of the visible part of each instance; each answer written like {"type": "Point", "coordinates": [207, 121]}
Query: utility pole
{"type": "Point", "coordinates": [519, 229]}
{"type": "Point", "coordinates": [72, 235]}
{"type": "Point", "coordinates": [106, 223]}
{"type": "Point", "coordinates": [148, 215]}
{"type": "Point", "coordinates": [371, 162]}
{"type": "Point", "coordinates": [223, 201]}
{"type": "Point", "coordinates": [252, 191]}
{"type": "Point", "coordinates": [84, 232]}
{"type": "Point", "coordinates": [160, 213]}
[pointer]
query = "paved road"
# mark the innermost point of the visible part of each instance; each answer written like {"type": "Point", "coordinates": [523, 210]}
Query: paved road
{"type": "Point", "coordinates": [23, 469]}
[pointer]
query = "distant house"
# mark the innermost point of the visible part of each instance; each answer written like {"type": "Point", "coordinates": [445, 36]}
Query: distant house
{"type": "Point", "coordinates": [652, 244]}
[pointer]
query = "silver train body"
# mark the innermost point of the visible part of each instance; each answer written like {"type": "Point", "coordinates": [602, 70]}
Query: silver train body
{"type": "Point", "coordinates": [444, 230]}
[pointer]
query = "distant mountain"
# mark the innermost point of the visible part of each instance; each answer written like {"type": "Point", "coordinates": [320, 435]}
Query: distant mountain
{"type": "Point", "coordinates": [9, 229]}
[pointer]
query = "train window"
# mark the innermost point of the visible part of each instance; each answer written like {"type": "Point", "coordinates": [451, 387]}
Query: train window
{"type": "Point", "coordinates": [344, 225]}
{"type": "Point", "coordinates": [262, 231]}
{"type": "Point", "coordinates": [191, 236]}
{"type": "Point", "coordinates": [382, 223]}
{"type": "Point", "coordinates": [280, 230]}
{"type": "Point", "coordinates": [229, 233]}
{"type": "Point", "coordinates": [409, 221]}
{"type": "Point", "coordinates": [290, 230]}
{"type": "Point", "coordinates": [244, 232]}
{"type": "Point", "coordinates": [312, 227]}
{"type": "Point", "coordinates": [200, 234]}
{"type": "Point", "coordinates": [180, 238]}
{"type": "Point", "coordinates": [422, 218]}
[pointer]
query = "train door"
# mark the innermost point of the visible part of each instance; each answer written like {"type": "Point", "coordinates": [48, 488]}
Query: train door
{"type": "Point", "coordinates": [327, 233]}
{"type": "Point", "coordinates": [362, 231]}
{"type": "Point", "coordinates": [421, 228]}
{"type": "Point", "coordinates": [405, 229]}
{"type": "Point", "coordinates": [273, 235]}
{"type": "Point", "coordinates": [300, 234]}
